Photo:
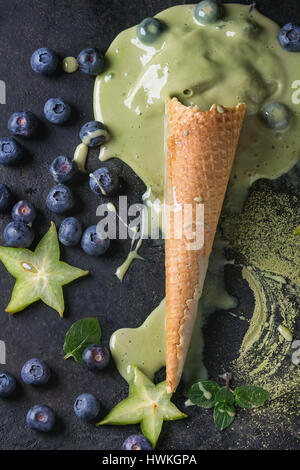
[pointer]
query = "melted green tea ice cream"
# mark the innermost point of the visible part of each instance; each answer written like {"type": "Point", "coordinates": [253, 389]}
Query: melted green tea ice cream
{"type": "Point", "coordinates": [236, 59]}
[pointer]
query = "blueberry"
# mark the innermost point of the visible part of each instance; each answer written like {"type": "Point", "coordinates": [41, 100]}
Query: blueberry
{"type": "Point", "coordinates": [23, 211]}
{"type": "Point", "coordinates": [7, 384]}
{"type": "Point", "coordinates": [60, 199]}
{"type": "Point", "coordinates": [289, 37]}
{"type": "Point", "coordinates": [90, 61]}
{"type": "Point", "coordinates": [96, 356]}
{"type": "Point", "coordinates": [23, 123]}
{"type": "Point", "coordinates": [104, 181]}
{"type": "Point", "coordinates": [62, 169]}
{"type": "Point", "coordinates": [276, 116]}
{"type": "Point", "coordinates": [86, 407]}
{"type": "Point", "coordinates": [35, 372]}
{"type": "Point", "coordinates": [92, 243]}
{"type": "Point", "coordinates": [18, 234]}
{"type": "Point", "coordinates": [5, 197]}
{"type": "Point", "coordinates": [93, 133]}
{"type": "Point", "coordinates": [57, 111]}
{"type": "Point", "coordinates": [208, 11]}
{"type": "Point", "coordinates": [44, 61]}
{"type": "Point", "coordinates": [137, 442]}
{"type": "Point", "coordinates": [41, 418]}
{"type": "Point", "coordinates": [10, 151]}
{"type": "Point", "coordinates": [70, 232]}
{"type": "Point", "coordinates": [149, 30]}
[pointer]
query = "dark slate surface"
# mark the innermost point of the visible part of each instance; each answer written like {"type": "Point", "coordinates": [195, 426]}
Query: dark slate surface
{"type": "Point", "coordinates": [67, 26]}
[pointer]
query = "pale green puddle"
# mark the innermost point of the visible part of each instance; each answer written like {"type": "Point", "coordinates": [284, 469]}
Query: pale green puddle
{"type": "Point", "coordinates": [238, 59]}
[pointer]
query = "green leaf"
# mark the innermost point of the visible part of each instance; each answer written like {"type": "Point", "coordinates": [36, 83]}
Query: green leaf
{"type": "Point", "coordinates": [224, 396]}
{"type": "Point", "coordinates": [203, 393]}
{"type": "Point", "coordinates": [250, 396]}
{"type": "Point", "coordinates": [224, 414]}
{"type": "Point", "coordinates": [82, 333]}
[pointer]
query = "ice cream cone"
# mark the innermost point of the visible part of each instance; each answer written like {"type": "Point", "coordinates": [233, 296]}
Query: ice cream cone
{"type": "Point", "coordinates": [200, 149]}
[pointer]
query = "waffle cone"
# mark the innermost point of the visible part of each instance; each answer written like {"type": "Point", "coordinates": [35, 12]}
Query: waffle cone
{"type": "Point", "coordinates": [200, 149]}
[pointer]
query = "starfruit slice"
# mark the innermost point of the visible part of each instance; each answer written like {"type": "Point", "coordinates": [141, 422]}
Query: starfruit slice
{"type": "Point", "coordinates": [39, 274]}
{"type": "Point", "coordinates": [147, 404]}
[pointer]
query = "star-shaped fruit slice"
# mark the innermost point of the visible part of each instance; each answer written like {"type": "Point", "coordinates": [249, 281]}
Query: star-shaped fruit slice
{"type": "Point", "coordinates": [39, 274]}
{"type": "Point", "coordinates": [147, 404]}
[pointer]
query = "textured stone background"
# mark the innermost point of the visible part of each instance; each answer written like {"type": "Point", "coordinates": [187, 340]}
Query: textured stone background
{"type": "Point", "coordinates": [68, 26]}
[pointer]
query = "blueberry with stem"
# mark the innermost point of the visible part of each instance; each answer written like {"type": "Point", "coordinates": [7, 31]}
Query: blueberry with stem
{"type": "Point", "coordinates": [24, 211]}
{"type": "Point", "coordinates": [90, 61]}
{"type": "Point", "coordinates": [23, 123]}
{"type": "Point", "coordinates": [93, 242]}
{"type": "Point", "coordinates": [62, 169]}
{"type": "Point", "coordinates": [96, 357]}
{"type": "Point", "coordinates": [137, 442]}
{"type": "Point", "coordinates": [41, 418]}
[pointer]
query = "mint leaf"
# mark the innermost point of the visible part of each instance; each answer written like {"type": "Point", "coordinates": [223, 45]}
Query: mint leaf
{"type": "Point", "coordinates": [250, 396]}
{"type": "Point", "coordinates": [224, 396]}
{"type": "Point", "coordinates": [224, 414]}
{"type": "Point", "coordinates": [82, 333]}
{"type": "Point", "coordinates": [224, 411]}
{"type": "Point", "coordinates": [203, 393]}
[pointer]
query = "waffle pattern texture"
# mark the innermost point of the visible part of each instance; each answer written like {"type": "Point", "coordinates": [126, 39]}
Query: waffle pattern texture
{"type": "Point", "coordinates": [200, 149]}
